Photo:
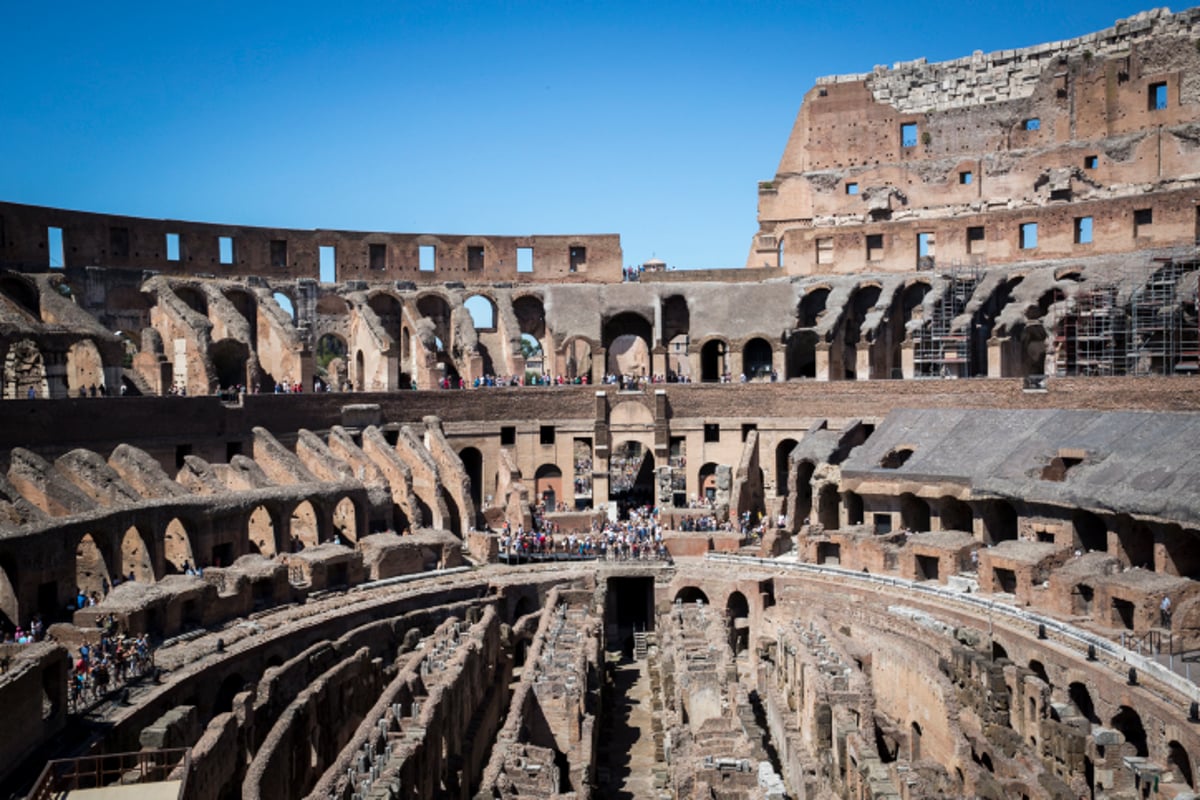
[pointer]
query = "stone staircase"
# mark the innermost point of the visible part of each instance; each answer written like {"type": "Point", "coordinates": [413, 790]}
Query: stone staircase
{"type": "Point", "coordinates": [639, 645]}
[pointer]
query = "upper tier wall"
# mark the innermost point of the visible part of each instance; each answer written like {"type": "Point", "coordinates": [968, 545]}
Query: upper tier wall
{"type": "Point", "coordinates": [195, 248]}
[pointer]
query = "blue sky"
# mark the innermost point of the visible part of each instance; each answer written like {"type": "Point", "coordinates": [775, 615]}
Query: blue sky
{"type": "Point", "coordinates": [651, 120]}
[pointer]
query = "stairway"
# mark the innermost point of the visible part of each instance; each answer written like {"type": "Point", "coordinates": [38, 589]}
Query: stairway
{"type": "Point", "coordinates": [639, 645]}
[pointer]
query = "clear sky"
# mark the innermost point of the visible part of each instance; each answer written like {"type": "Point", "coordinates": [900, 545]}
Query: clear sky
{"type": "Point", "coordinates": [653, 120]}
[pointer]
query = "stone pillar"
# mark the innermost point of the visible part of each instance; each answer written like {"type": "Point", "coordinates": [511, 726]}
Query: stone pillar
{"type": "Point", "coordinates": [996, 348]}
{"type": "Point", "coordinates": [862, 362]}
{"type": "Point", "coordinates": [308, 368]}
{"type": "Point", "coordinates": [658, 361]}
{"type": "Point", "coordinates": [821, 354]}
{"type": "Point", "coordinates": [779, 361]}
{"type": "Point", "coordinates": [599, 365]}
{"type": "Point", "coordinates": [907, 365]}
{"type": "Point", "coordinates": [55, 363]}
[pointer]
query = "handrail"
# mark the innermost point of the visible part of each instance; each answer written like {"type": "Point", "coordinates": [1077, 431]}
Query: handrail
{"type": "Point", "coordinates": [1085, 640]}
{"type": "Point", "coordinates": [89, 772]}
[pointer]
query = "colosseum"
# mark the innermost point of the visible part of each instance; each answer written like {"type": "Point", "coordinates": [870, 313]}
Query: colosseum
{"type": "Point", "coordinates": [907, 507]}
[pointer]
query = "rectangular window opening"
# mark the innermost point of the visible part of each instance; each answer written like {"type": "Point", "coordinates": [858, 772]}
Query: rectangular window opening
{"type": "Point", "coordinates": [1032, 124]}
{"type": "Point", "coordinates": [1091, 162]}
{"type": "Point", "coordinates": [508, 435]}
{"type": "Point", "coordinates": [825, 250]}
{"type": "Point", "coordinates": [1029, 234]}
{"type": "Point", "coordinates": [428, 258]}
{"type": "Point", "coordinates": [327, 260]}
{"type": "Point", "coordinates": [1083, 230]}
{"type": "Point", "coordinates": [874, 247]}
{"type": "Point", "coordinates": [225, 249]}
{"type": "Point", "coordinates": [712, 432]}
{"type": "Point", "coordinates": [851, 188]}
{"type": "Point", "coordinates": [377, 256]}
{"type": "Point", "coordinates": [976, 240]}
{"type": "Point", "coordinates": [279, 253]}
{"type": "Point", "coordinates": [747, 427]}
{"type": "Point", "coordinates": [578, 259]}
{"type": "Point", "coordinates": [54, 238]}
{"type": "Point", "coordinates": [524, 259]}
{"type": "Point", "coordinates": [546, 434]}
{"type": "Point", "coordinates": [1143, 219]}
{"type": "Point", "coordinates": [966, 177]}
{"type": "Point", "coordinates": [475, 258]}
{"type": "Point", "coordinates": [1158, 96]}
{"type": "Point", "coordinates": [926, 247]}
{"type": "Point", "coordinates": [908, 134]}
{"type": "Point", "coordinates": [172, 247]}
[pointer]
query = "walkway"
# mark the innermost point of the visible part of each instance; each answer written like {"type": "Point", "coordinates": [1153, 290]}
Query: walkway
{"type": "Point", "coordinates": [627, 746]}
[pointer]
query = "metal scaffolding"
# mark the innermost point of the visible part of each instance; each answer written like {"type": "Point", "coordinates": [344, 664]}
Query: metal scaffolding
{"type": "Point", "coordinates": [1091, 337]}
{"type": "Point", "coordinates": [940, 351]}
{"type": "Point", "coordinates": [1163, 337]}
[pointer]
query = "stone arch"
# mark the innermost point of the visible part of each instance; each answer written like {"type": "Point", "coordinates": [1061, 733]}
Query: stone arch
{"type": "Point", "coordinates": [389, 309]}
{"type": "Point", "coordinates": [287, 303]}
{"type": "Point", "coordinates": [849, 335]}
{"type": "Point", "coordinates": [136, 557]}
{"type": "Point", "coordinates": [437, 309]}
{"type": "Point", "coordinates": [304, 527]}
{"type": "Point", "coordinates": [25, 370]}
{"type": "Point", "coordinates": [229, 359]}
{"type": "Point", "coordinates": [330, 304]}
{"type": "Point", "coordinates": [1081, 698]}
{"type": "Point", "coordinates": [829, 507]}
{"type": "Point", "coordinates": [1129, 723]}
{"type": "Point", "coordinates": [547, 486]}
{"type": "Point", "coordinates": [261, 532]}
{"type": "Point", "coordinates": [802, 354]}
{"type": "Point", "coordinates": [983, 323]}
{"type": "Point", "coordinates": [627, 338]}
{"type": "Point", "coordinates": [914, 513]}
{"type": "Point", "coordinates": [345, 520]}
{"type": "Point", "coordinates": [955, 515]}
{"type": "Point", "coordinates": [706, 480]}
{"type": "Point", "coordinates": [331, 353]}
{"type": "Point", "coordinates": [804, 474]}
{"type": "Point", "coordinates": [483, 312]}
{"type": "Point", "coordinates": [757, 358]}
{"type": "Point", "coordinates": [999, 521]}
{"type": "Point", "coordinates": [246, 305]}
{"type": "Point", "coordinates": [530, 312]}
{"type": "Point", "coordinates": [676, 332]}
{"type": "Point", "coordinates": [85, 368]}
{"type": "Point", "coordinates": [631, 474]}
{"type": "Point", "coordinates": [811, 306]}
{"type": "Point", "coordinates": [193, 298]}
{"type": "Point", "coordinates": [10, 607]}
{"type": "Point", "coordinates": [177, 548]}
{"type": "Point", "coordinates": [783, 454]}
{"type": "Point", "coordinates": [1091, 534]}
{"type": "Point", "coordinates": [91, 565]}
{"type": "Point", "coordinates": [906, 305]}
{"type": "Point", "coordinates": [472, 460]}
{"type": "Point", "coordinates": [690, 594]}
{"type": "Point", "coordinates": [737, 607]}
{"type": "Point", "coordinates": [22, 293]}
{"type": "Point", "coordinates": [229, 689]}
{"type": "Point", "coordinates": [1039, 669]}
{"type": "Point", "coordinates": [1136, 542]}
{"type": "Point", "coordinates": [713, 363]}
{"type": "Point", "coordinates": [576, 357]}
{"type": "Point", "coordinates": [1180, 762]}
{"type": "Point", "coordinates": [854, 508]}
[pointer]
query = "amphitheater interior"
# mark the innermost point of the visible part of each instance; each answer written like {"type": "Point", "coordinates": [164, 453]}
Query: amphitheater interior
{"type": "Point", "coordinates": [906, 507]}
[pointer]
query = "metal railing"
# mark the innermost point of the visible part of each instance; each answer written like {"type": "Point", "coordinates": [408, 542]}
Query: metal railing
{"type": "Point", "coordinates": [91, 772]}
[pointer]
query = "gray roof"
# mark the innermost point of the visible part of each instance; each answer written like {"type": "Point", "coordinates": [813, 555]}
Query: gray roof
{"type": "Point", "coordinates": [1143, 463]}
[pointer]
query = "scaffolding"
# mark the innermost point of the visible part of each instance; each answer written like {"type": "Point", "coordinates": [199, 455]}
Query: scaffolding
{"type": "Point", "coordinates": [1163, 336]}
{"type": "Point", "coordinates": [1090, 340]}
{"type": "Point", "coordinates": [940, 351]}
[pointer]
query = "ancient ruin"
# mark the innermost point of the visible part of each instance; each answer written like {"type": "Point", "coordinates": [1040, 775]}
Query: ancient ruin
{"type": "Point", "coordinates": [909, 507]}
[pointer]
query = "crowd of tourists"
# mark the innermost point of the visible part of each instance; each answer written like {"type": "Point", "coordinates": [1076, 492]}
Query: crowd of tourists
{"type": "Point", "coordinates": [114, 662]}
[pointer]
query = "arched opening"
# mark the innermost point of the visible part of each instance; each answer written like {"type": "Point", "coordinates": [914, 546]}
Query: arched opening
{"type": "Point", "coordinates": [10, 608]}
{"type": "Point", "coordinates": [802, 354]}
{"type": "Point", "coordinates": [345, 521]}
{"type": "Point", "coordinates": [915, 741]}
{"type": "Point", "coordinates": [229, 689]}
{"type": "Point", "coordinates": [177, 549]}
{"type": "Point", "coordinates": [676, 328]}
{"type": "Point", "coordinates": [955, 515]}
{"type": "Point", "coordinates": [472, 461]}
{"type": "Point", "coordinates": [1136, 543]}
{"type": "Point", "coordinates": [999, 521]}
{"type": "Point", "coordinates": [577, 359]}
{"type": "Point", "coordinates": [22, 295]}
{"type": "Point", "coordinates": [1091, 534]}
{"type": "Point", "coordinates": [811, 307]}
{"type": "Point", "coordinates": [193, 298]}
{"type": "Point", "coordinates": [289, 307]}
{"type": "Point", "coordinates": [850, 333]}
{"type": "Point", "coordinates": [389, 310]}
{"type": "Point", "coordinates": [85, 370]}
{"type": "Point", "coordinates": [783, 452]}
{"type": "Point", "coordinates": [246, 305]}
{"type": "Point", "coordinates": [737, 618]}
{"type": "Point", "coordinates": [757, 359]}
{"type": "Point", "coordinates": [804, 498]}
{"type": "Point", "coordinates": [629, 354]}
{"type": "Point", "coordinates": [829, 507]}
{"type": "Point", "coordinates": [1081, 698]}
{"type": "Point", "coordinates": [712, 360]}
{"type": "Point", "coordinates": [854, 508]}
{"type": "Point", "coordinates": [229, 358]}
{"type": "Point", "coordinates": [631, 477]}
{"type": "Point", "coordinates": [531, 351]}
{"type": "Point", "coordinates": [25, 372]}
{"type": "Point", "coordinates": [331, 361]}
{"type": "Point", "coordinates": [706, 479]}
{"type": "Point", "coordinates": [482, 311]}
{"type": "Point", "coordinates": [1180, 762]}
{"type": "Point", "coordinates": [914, 513]}
{"type": "Point", "coordinates": [136, 563]}
{"type": "Point", "coordinates": [91, 568]}
{"type": "Point", "coordinates": [1039, 669]}
{"type": "Point", "coordinates": [547, 486]}
{"type": "Point", "coordinates": [1129, 723]}
{"type": "Point", "coordinates": [304, 530]}
{"type": "Point", "coordinates": [691, 594]}
{"type": "Point", "coordinates": [984, 322]}
{"type": "Point", "coordinates": [910, 299]}
{"type": "Point", "coordinates": [260, 532]}
{"type": "Point", "coordinates": [999, 651]}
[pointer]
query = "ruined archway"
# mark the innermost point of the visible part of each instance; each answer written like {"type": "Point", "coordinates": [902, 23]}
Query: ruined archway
{"type": "Point", "coordinates": [21, 295]}
{"type": "Point", "coordinates": [91, 567]}
{"type": "Point", "coordinates": [631, 476]}
{"type": "Point", "coordinates": [85, 369]}
{"type": "Point", "coordinates": [177, 548]}
{"type": "Point", "coordinates": [1091, 534]}
{"type": "Point", "coordinates": [829, 507]}
{"type": "Point", "coordinates": [783, 454]}
{"type": "Point", "coordinates": [1180, 762]}
{"type": "Point", "coordinates": [706, 479]}
{"type": "Point", "coordinates": [914, 513]}
{"type": "Point", "coordinates": [757, 358]}
{"type": "Point", "coordinates": [304, 529]}
{"type": "Point", "coordinates": [577, 358]}
{"type": "Point", "coordinates": [25, 372]}
{"type": "Point", "coordinates": [999, 521]}
{"type": "Point", "coordinates": [331, 360]}
{"type": "Point", "coordinates": [246, 305]}
{"type": "Point", "coordinates": [713, 364]}
{"type": "Point", "coordinates": [345, 521]}
{"type": "Point", "coordinates": [811, 307]}
{"type": "Point", "coordinates": [260, 532]}
{"type": "Point", "coordinates": [389, 310]}
{"type": "Point", "coordinates": [483, 312]}
{"type": "Point", "coordinates": [737, 620]}
{"type": "Point", "coordinates": [955, 515]}
{"type": "Point", "coordinates": [229, 358]}
{"type": "Point", "coordinates": [1129, 723]}
{"type": "Point", "coordinates": [676, 330]}
{"type": "Point", "coordinates": [804, 498]}
{"type": "Point", "coordinates": [136, 561]}
{"type": "Point", "coordinates": [193, 298]}
{"type": "Point", "coordinates": [547, 486]}
{"type": "Point", "coordinates": [472, 461]}
{"type": "Point", "coordinates": [691, 594]}
{"type": "Point", "coordinates": [1081, 698]}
